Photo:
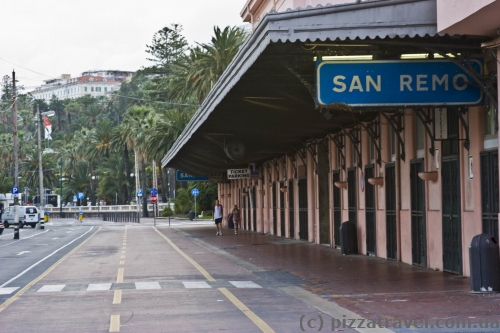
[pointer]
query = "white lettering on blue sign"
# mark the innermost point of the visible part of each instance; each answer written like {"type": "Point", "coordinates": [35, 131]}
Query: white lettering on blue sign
{"type": "Point", "coordinates": [396, 83]}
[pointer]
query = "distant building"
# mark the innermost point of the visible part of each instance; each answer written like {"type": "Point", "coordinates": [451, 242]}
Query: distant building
{"type": "Point", "coordinates": [93, 83]}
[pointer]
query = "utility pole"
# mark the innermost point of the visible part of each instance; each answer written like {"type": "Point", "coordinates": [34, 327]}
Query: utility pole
{"type": "Point", "coordinates": [16, 157]}
{"type": "Point", "coordinates": [40, 170]}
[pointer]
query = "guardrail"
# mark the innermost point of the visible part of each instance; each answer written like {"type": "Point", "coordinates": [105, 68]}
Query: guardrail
{"type": "Point", "coordinates": [110, 208]}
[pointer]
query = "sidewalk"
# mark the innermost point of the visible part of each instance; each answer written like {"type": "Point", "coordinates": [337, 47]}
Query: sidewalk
{"type": "Point", "coordinates": [371, 287]}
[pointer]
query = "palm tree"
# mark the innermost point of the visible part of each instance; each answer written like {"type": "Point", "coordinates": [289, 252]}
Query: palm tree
{"type": "Point", "coordinates": [79, 182]}
{"type": "Point", "coordinates": [196, 73]}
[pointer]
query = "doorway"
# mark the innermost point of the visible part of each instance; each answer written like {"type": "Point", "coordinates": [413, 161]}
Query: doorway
{"type": "Point", "coordinates": [303, 231]}
{"type": "Point", "coordinates": [489, 192]}
{"type": "Point", "coordinates": [370, 211]}
{"type": "Point", "coordinates": [291, 204]}
{"type": "Point", "coordinates": [274, 208]}
{"type": "Point", "coordinates": [390, 211]}
{"type": "Point", "coordinates": [418, 227]}
{"type": "Point", "coordinates": [282, 209]}
{"type": "Point", "coordinates": [337, 213]}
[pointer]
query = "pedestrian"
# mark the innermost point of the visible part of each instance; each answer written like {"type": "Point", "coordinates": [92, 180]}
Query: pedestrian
{"type": "Point", "coordinates": [236, 218]}
{"type": "Point", "coordinates": [217, 214]}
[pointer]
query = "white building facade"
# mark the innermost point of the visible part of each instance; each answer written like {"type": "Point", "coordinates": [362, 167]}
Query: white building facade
{"type": "Point", "coordinates": [93, 83]}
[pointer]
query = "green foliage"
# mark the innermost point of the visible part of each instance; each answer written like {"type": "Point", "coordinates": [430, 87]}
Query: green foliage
{"type": "Point", "coordinates": [167, 211]}
{"type": "Point", "coordinates": [167, 46]}
{"type": "Point", "coordinates": [208, 194]}
{"type": "Point", "coordinates": [102, 136]}
{"type": "Point", "coordinates": [183, 202]}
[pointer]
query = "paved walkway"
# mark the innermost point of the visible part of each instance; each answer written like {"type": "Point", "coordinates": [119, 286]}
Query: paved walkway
{"type": "Point", "coordinates": [372, 287]}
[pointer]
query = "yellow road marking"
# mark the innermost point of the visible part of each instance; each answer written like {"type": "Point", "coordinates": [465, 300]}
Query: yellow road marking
{"type": "Point", "coordinates": [194, 263]}
{"type": "Point", "coordinates": [117, 299]}
{"type": "Point", "coordinates": [119, 277]}
{"type": "Point", "coordinates": [29, 285]}
{"type": "Point", "coordinates": [124, 247]}
{"type": "Point", "coordinates": [242, 307]}
{"type": "Point", "coordinates": [122, 262]}
{"type": "Point", "coordinates": [122, 257]}
{"type": "Point", "coordinates": [114, 323]}
{"type": "Point", "coordinates": [246, 311]}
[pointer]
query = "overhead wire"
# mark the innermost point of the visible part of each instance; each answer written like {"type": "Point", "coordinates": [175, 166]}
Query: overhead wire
{"type": "Point", "coordinates": [148, 100]}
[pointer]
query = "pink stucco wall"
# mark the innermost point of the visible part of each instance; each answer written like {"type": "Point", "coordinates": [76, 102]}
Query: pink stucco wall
{"type": "Point", "coordinates": [478, 17]}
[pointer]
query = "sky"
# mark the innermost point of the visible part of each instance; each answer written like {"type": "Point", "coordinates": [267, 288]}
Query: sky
{"type": "Point", "coordinates": [42, 39]}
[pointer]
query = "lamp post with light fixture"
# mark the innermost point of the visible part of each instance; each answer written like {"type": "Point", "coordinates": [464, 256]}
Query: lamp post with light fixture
{"type": "Point", "coordinates": [40, 169]}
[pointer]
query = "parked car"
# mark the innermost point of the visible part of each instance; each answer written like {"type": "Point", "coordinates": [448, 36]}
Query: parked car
{"type": "Point", "coordinates": [28, 215]}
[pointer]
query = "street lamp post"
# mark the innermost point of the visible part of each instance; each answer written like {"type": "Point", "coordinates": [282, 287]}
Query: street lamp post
{"type": "Point", "coordinates": [93, 194]}
{"type": "Point", "coordinates": [40, 169]}
{"type": "Point", "coordinates": [137, 198]}
{"type": "Point", "coordinates": [60, 189]}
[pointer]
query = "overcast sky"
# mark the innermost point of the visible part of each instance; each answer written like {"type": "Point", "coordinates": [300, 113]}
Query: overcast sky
{"type": "Point", "coordinates": [54, 37]}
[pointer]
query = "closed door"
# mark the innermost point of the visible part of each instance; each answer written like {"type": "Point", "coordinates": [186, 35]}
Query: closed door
{"type": "Point", "coordinates": [418, 228]}
{"type": "Point", "coordinates": [254, 208]}
{"type": "Point", "coordinates": [370, 211]}
{"type": "Point", "coordinates": [290, 208]}
{"type": "Point", "coordinates": [352, 196]}
{"type": "Point", "coordinates": [337, 214]}
{"type": "Point", "coordinates": [303, 232]}
{"type": "Point", "coordinates": [274, 208]}
{"type": "Point", "coordinates": [282, 209]}
{"type": "Point", "coordinates": [452, 249]}
{"type": "Point", "coordinates": [489, 192]}
{"type": "Point", "coordinates": [390, 211]}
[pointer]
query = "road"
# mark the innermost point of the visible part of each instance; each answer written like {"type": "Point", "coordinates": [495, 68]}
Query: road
{"type": "Point", "coordinates": [123, 277]}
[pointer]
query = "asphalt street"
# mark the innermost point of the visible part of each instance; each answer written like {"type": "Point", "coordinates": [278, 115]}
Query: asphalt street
{"type": "Point", "coordinates": [99, 276]}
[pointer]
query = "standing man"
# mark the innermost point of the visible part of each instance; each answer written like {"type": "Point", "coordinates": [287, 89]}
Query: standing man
{"type": "Point", "coordinates": [217, 214]}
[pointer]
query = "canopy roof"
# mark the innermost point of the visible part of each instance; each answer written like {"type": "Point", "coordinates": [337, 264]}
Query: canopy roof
{"type": "Point", "coordinates": [265, 98]}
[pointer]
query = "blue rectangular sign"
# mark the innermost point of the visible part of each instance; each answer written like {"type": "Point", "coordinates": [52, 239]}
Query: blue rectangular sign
{"type": "Point", "coordinates": [396, 83]}
{"type": "Point", "coordinates": [181, 176]}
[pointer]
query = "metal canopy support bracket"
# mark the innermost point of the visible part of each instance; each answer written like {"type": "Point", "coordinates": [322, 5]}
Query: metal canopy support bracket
{"type": "Point", "coordinates": [314, 156]}
{"type": "Point", "coordinates": [276, 169]}
{"type": "Point", "coordinates": [396, 123]}
{"type": "Point", "coordinates": [461, 111]}
{"type": "Point", "coordinates": [373, 130]}
{"type": "Point", "coordinates": [339, 142]}
{"type": "Point", "coordinates": [354, 136]}
{"type": "Point", "coordinates": [294, 164]}
{"type": "Point", "coordinates": [426, 117]}
{"type": "Point", "coordinates": [302, 155]}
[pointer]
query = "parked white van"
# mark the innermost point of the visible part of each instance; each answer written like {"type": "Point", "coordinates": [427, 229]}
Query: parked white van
{"type": "Point", "coordinates": [28, 215]}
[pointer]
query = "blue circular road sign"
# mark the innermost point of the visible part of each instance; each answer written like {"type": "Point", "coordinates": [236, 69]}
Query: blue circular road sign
{"type": "Point", "coordinates": [195, 192]}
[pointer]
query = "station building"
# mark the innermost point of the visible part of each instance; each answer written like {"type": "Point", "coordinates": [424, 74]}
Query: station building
{"type": "Point", "coordinates": [381, 113]}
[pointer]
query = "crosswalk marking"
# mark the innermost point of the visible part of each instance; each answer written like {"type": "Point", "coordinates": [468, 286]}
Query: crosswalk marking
{"type": "Point", "coordinates": [147, 285]}
{"type": "Point", "coordinates": [196, 284]}
{"type": "Point", "coordinates": [139, 286]}
{"type": "Point", "coordinates": [100, 286]}
{"type": "Point", "coordinates": [244, 284]}
{"type": "Point", "coordinates": [7, 291]}
{"type": "Point", "coordinates": [51, 288]}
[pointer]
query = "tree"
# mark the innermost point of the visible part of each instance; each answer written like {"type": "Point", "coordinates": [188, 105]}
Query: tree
{"type": "Point", "coordinates": [57, 106]}
{"type": "Point", "coordinates": [167, 46]}
{"type": "Point", "coordinates": [197, 72]}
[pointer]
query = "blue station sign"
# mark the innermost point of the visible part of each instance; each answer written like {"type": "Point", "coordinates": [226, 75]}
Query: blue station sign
{"type": "Point", "coordinates": [396, 83]}
{"type": "Point", "coordinates": [181, 176]}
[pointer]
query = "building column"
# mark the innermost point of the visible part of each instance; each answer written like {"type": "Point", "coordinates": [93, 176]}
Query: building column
{"type": "Point", "coordinates": [267, 194]}
{"type": "Point", "coordinates": [259, 206]}
{"type": "Point", "coordinates": [498, 110]}
{"type": "Point", "coordinates": [311, 198]}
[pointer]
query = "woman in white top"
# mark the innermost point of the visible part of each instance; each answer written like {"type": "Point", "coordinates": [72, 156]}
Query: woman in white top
{"type": "Point", "coordinates": [217, 214]}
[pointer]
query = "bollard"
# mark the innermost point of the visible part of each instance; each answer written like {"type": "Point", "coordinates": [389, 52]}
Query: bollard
{"type": "Point", "coordinates": [16, 231]}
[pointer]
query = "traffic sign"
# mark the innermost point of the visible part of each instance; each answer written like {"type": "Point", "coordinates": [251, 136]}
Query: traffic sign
{"type": "Point", "coordinates": [139, 192]}
{"type": "Point", "coordinates": [15, 190]}
{"type": "Point", "coordinates": [26, 189]}
{"type": "Point", "coordinates": [153, 191]}
{"type": "Point", "coordinates": [81, 195]}
{"type": "Point", "coordinates": [153, 199]}
{"type": "Point", "coordinates": [74, 198]}
{"type": "Point", "coordinates": [195, 192]}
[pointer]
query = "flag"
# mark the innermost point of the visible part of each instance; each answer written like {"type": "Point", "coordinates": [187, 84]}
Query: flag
{"type": "Point", "coordinates": [48, 128]}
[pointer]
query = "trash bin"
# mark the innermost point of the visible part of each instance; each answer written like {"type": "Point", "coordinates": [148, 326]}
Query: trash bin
{"type": "Point", "coordinates": [484, 264]}
{"type": "Point", "coordinates": [191, 215]}
{"type": "Point", "coordinates": [348, 238]}
{"type": "Point", "coordinates": [230, 222]}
